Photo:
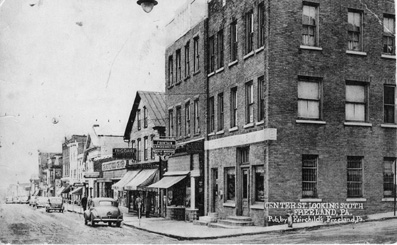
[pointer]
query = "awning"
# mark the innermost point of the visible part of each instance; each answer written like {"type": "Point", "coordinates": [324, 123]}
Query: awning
{"type": "Point", "coordinates": [66, 189]}
{"type": "Point", "coordinates": [126, 178]}
{"type": "Point", "coordinates": [167, 181]}
{"type": "Point", "coordinates": [144, 178]}
{"type": "Point", "coordinates": [59, 192]}
{"type": "Point", "coordinates": [78, 191]}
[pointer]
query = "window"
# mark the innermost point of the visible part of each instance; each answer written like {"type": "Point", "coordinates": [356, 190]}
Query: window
{"type": "Point", "coordinates": [220, 112]}
{"type": "Point", "coordinates": [259, 183]}
{"type": "Point", "coordinates": [249, 31]}
{"type": "Point", "coordinates": [354, 176]}
{"type": "Point", "coordinates": [309, 25]}
{"type": "Point", "coordinates": [187, 60]}
{"type": "Point", "coordinates": [249, 98]}
{"type": "Point", "coordinates": [309, 176]}
{"type": "Point", "coordinates": [145, 117]}
{"type": "Point", "coordinates": [171, 123]}
{"type": "Point", "coordinates": [244, 155]}
{"type": "Point", "coordinates": [233, 41]}
{"type": "Point", "coordinates": [170, 70]}
{"type": "Point", "coordinates": [389, 32]}
{"type": "Point", "coordinates": [261, 25]}
{"type": "Point", "coordinates": [178, 122]}
{"type": "Point", "coordinates": [138, 118]}
{"type": "Point", "coordinates": [196, 61]}
{"type": "Point", "coordinates": [389, 104]}
{"type": "Point", "coordinates": [220, 49]}
{"type": "Point", "coordinates": [187, 118]}
{"type": "Point", "coordinates": [388, 176]}
{"type": "Point", "coordinates": [354, 20]}
{"type": "Point", "coordinates": [138, 150]}
{"type": "Point", "coordinates": [309, 98]}
{"type": "Point", "coordinates": [212, 54]}
{"type": "Point", "coordinates": [230, 185]}
{"type": "Point", "coordinates": [151, 149]}
{"type": "Point", "coordinates": [212, 114]}
{"type": "Point", "coordinates": [356, 102]}
{"type": "Point", "coordinates": [261, 98]}
{"type": "Point", "coordinates": [145, 149]}
{"type": "Point", "coordinates": [196, 117]}
{"type": "Point", "coordinates": [233, 107]}
{"type": "Point", "coordinates": [178, 66]}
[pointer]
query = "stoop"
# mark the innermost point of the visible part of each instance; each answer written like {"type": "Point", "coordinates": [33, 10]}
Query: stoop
{"type": "Point", "coordinates": [205, 220]}
{"type": "Point", "coordinates": [233, 222]}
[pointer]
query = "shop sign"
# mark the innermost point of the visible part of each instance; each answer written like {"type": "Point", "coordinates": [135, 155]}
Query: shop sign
{"type": "Point", "coordinates": [124, 153]}
{"type": "Point", "coordinates": [164, 146]}
{"type": "Point", "coordinates": [119, 164]}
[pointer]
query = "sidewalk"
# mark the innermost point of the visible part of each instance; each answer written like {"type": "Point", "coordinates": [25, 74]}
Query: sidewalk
{"type": "Point", "coordinates": [182, 230]}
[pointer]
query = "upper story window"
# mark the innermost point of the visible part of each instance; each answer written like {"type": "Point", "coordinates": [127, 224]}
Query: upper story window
{"type": "Point", "coordinates": [355, 30]}
{"type": "Point", "coordinates": [170, 123]}
{"type": "Point", "coordinates": [170, 70]}
{"type": "Point", "coordinates": [211, 114]}
{"type": "Point", "coordinates": [249, 31]}
{"type": "Point", "coordinates": [261, 25]}
{"type": "Point", "coordinates": [220, 49]}
{"type": "Point", "coordinates": [221, 112]}
{"type": "Point", "coordinates": [310, 25]}
{"type": "Point", "coordinates": [138, 150]}
{"type": "Point", "coordinates": [178, 122]}
{"type": "Point", "coordinates": [389, 33]}
{"type": "Point", "coordinates": [261, 98]}
{"type": "Point", "coordinates": [356, 101]}
{"type": "Point", "coordinates": [187, 59]}
{"type": "Point", "coordinates": [211, 54]}
{"type": "Point", "coordinates": [233, 41]}
{"type": "Point", "coordinates": [196, 60]}
{"type": "Point", "coordinates": [138, 119]}
{"type": "Point", "coordinates": [196, 117]}
{"type": "Point", "coordinates": [145, 149]}
{"type": "Point", "coordinates": [178, 66]}
{"type": "Point", "coordinates": [309, 98]}
{"type": "Point", "coordinates": [249, 104]}
{"type": "Point", "coordinates": [187, 118]}
{"type": "Point", "coordinates": [389, 101]}
{"type": "Point", "coordinates": [233, 107]}
{"type": "Point", "coordinates": [145, 119]}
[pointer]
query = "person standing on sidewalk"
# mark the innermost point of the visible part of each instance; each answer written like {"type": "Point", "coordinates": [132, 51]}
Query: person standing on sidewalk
{"type": "Point", "coordinates": [138, 202]}
{"type": "Point", "coordinates": [84, 202]}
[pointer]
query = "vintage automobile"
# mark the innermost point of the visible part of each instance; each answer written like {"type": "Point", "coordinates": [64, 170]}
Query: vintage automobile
{"type": "Point", "coordinates": [41, 202]}
{"type": "Point", "coordinates": [54, 203]}
{"type": "Point", "coordinates": [103, 209]}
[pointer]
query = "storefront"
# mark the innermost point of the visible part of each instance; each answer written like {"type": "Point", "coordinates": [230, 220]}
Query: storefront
{"type": "Point", "coordinates": [119, 193]}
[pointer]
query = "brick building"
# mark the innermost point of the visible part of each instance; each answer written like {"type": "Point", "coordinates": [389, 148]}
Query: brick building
{"type": "Point", "coordinates": [322, 75]}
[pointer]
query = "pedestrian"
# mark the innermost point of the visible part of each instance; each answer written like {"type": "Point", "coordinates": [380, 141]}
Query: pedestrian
{"type": "Point", "coordinates": [138, 202]}
{"type": "Point", "coordinates": [84, 202]}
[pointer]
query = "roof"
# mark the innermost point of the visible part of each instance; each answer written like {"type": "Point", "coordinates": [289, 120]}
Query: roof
{"type": "Point", "coordinates": [156, 107]}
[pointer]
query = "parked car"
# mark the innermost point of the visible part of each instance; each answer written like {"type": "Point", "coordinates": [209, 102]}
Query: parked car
{"type": "Point", "coordinates": [103, 209]}
{"type": "Point", "coordinates": [41, 202]}
{"type": "Point", "coordinates": [54, 203]}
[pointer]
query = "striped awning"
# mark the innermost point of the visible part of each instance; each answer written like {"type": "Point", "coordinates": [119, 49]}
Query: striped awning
{"type": "Point", "coordinates": [144, 178]}
{"type": "Point", "coordinates": [119, 186]}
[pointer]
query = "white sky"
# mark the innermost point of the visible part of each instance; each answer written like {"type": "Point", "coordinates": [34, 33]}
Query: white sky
{"type": "Point", "coordinates": [55, 59]}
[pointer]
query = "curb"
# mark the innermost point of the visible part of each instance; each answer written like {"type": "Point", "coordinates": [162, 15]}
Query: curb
{"type": "Point", "coordinates": [253, 233]}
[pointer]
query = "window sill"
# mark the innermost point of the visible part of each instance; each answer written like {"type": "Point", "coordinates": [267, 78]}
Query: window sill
{"type": "Point", "coordinates": [259, 50]}
{"type": "Point", "coordinates": [310, 122]}
{"type": "Point", "coordinates": [356, 199]}
{"type": "Point", "coordinates": [311, 200]}
{"type": "Point", "coordinates": [211, 134]}
{"type": "Point", "coordinates": [388, 125]}
{"type": "Point", "coordinates": [170, 87]}
{"type": "Point", "coordinates": [233, 129]}
{"type": "Point", "coordinates": [258, 205]}
{"type": "Point", "coordinates": [310, 48]}
{"type": "Point", "coordinates": [220, 132]}
{"type": "Point", "coordinates": [220, 70]}
{"type": "Point", "coordinates": [186, 78]}
{"type": "Point", "coordinates": [260, 123]}
{"type": "Point", "coordinates": [249, 125]}
{"type": "Point", "coordinates": [196, 134]}
{"type": "Point", "coordinates": [388, 199]}
{"type": "Point", "coordinates": [248, 55]}
{"type": "Point", "coordinates": [211, 74]}
{"type": "Point", "coordinates": [233, 63]}
{"type": "Point", "coordinates": [229, 204]}
{"type": "Point", "coordinates": [187, 136]}
{"type": "Point", "coordinates": [196, 72]}
{"type": "Point", "coordinates": [356, 52]}
{"type": "Point", "coordinates": [388, 56]}
{"type": "Point", "coordinates": [359, 124]}
{"type": "Point", "coordinates": [178, 82]}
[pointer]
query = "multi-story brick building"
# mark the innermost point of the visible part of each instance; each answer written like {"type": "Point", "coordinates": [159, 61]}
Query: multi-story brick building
{"type": "Point", "coordinates": [322, 75]}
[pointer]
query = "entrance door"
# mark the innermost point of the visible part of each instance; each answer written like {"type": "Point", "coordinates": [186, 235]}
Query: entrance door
{"type": "Point", "coordinates": [214, 181]}
{"type": "Point", "coordinates": [245, 191]}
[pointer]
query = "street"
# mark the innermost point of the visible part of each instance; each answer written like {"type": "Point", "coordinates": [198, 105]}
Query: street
{"type": "Point", "coordinates": [22, 224]}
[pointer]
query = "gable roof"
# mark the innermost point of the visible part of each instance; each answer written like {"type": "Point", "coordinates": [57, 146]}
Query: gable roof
{"type": "Point", "coordinates": [156, 107]}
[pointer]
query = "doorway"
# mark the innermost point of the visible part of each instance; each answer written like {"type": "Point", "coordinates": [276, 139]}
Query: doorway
{"type": "Point", "coordinates": [214, 181]}
{"type": "Point", "coordinates": [245, 192]}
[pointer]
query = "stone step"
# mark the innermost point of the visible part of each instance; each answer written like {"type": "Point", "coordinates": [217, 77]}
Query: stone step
{"type": "Point", "coordinates": [208, 218]}
{"type": "Point", "coordinates": [200, 222]}
{"type": "Point", "coordinates": [215, 215]}
{"type": "Point", "coordinates": [231, 222]}
{"type": "Point", "coordinates": [239, 218]}
{"type": "Point", "coordinates": [218, 225]}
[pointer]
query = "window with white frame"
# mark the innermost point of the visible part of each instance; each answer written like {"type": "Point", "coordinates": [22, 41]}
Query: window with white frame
{"type": "Point", "coordinates": [187, 59]}
{"type": "Point", "coordinates": [261, 25]}
{"type": "Point", "coordinates": [138, 118]}
{"type": "Point", "coordinates": [211, 56]}
{"type": "Point", "coordinates": [390, 101]}
{"type": "Point", "coordinates": [170, 123]}
{"type": "Point", "coordinates": [259, 183]}
{"type": "Point", "coordinates": [233, 107]}
{"type": "Point", "coordinates": [249, 31]}
{"type": "Point", "coordinates": [355, 30]}
{"type": "Point", "coordinates": [230, 184]}
{"type": "Point", "coordinates": [178, 122]}
{"type": "Point", "coordinates": [388, 176]}
{"type": "Point", "coordinates": [309, 98]}
{"type": "Point", "coordinates": [309, 176]}
{"type": "Point", "coordinates": [221, 112]}
{"type": "Point", "coordinates": [212, 114]}
{"type": "Point", "coordinates": [354, 176]}
{"type": "Point", "coordinates": [220, 48]}
{"type": "Point", "coordinates": [170, 70]}
{"type": "Point", "coordinates": [145, 149]}
{"type": "Point", "coordinates": [309, 25]}
{"type": "Point", "coordinates": [249, 102]}
{"type": "Point", "coordinates": [233, 41]}
{"type": "Point", "coordinates": [196, 117]}
{"type": "Point", "coordinates": [389, 33]}
{"type": "Point", "coordinates": [196, 60]}
{"type": "Point", "coordinates": [178, 66]}
{"type": "Point", "coordinates": [187, 118]}
{"type": "Point", "coordinates": [138, 150]}
{"type": "Point", "coordinates": [356, 106]}
{"type": "Point", "coordinates": [261, 98]}
{"type": "Point", "coordinates": [145, 117]}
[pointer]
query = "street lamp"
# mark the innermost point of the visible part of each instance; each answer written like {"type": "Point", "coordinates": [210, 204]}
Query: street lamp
{"type": "Point", "coordinates": [147, 5]}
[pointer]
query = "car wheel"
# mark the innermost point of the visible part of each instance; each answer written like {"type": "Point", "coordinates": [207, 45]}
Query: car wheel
{"type": "Point", "coordinates": [118, 224]}
{"type": "Point", "coordinates": [92, 221]}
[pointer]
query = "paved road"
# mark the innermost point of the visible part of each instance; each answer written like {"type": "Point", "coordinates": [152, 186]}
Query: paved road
{"type": "Point", "coordinates": [22, 224]}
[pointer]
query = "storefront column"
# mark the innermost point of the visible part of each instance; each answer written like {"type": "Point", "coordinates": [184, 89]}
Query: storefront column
{"type": "Point", "coordinates": [192, 193]}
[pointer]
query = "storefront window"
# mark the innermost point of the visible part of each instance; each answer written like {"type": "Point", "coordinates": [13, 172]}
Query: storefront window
{"type": "Point", "coordinates": [259, 184]}
{"type": "Point", "coordinates": [230, 185]}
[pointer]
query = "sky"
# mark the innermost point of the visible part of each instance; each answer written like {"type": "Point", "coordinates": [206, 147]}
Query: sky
{"type": "Point", "coordinates": [68, 64]}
